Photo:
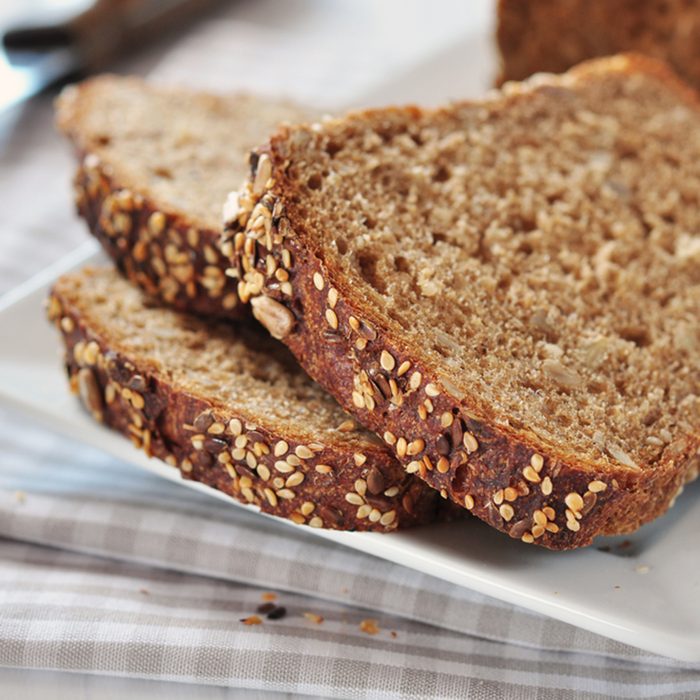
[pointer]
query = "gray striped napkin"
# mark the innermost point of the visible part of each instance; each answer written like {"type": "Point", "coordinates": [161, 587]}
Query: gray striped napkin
{"type": "Point", "coordinates": [176, 573]}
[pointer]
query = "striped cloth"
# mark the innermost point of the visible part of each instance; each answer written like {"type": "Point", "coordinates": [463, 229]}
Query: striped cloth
{"type": "Point", "coordinates": [127, 574]}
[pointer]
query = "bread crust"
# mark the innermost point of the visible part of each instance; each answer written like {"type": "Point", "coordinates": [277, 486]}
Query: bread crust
{"type": "Point", "coordinates": [316, 485]}
{"type": "Point", "coordinates": [158, 249]}
{"type": "Point", "coordinates": [553, 35]}
{"type": "Point", "coordinates": [507, 477]}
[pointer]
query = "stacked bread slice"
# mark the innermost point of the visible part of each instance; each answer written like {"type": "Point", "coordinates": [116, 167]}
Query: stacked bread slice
{"type": "Point", "coordinates": [226, 405]}
{"type": "Point", "coordinates": [504, 291]}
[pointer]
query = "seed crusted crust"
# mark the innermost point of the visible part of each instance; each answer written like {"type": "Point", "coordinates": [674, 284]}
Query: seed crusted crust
{"type": "Point", "coordinates": [537, 493]}
{"type": "Point", "coordinates": [161, 251]}
{"type": "Point", "coordinates": [311, 484]}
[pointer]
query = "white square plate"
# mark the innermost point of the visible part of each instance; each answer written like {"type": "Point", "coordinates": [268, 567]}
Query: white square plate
{"type": "Point", "coordinates": [642, 590]}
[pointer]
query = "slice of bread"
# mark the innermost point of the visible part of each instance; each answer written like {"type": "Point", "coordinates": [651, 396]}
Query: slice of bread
{"type": "Point", "coordinates": [553, 35]}
{"type": "Point", "coordinates": [230, 408]}
{"type": "Point", "coordinates": [507, 291]}
{"type": "Point", "coordinates": [155, 167]}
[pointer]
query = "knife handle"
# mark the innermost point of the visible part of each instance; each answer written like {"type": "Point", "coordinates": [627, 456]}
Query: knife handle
{"type": "Point", "coordinates": [105, 28]}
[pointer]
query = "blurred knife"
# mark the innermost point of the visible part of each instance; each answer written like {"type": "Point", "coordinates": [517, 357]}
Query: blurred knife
{"type": "Point", "coordinates": [37, 54]}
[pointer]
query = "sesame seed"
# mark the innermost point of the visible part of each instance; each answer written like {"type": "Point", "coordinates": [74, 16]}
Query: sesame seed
{"type": "Point", "coordinates": [361, 486]}
{"type": "Point", "coordinates": [156, 222]}
{"type": "Point", "coordinates": [294, 480]}
{"type": "Point", "coordinates": [263, 472]}
{"type": "Point", "coordinates": [293, 460]}
{"type": "Point", "coordinates": [286, 494]}
{"type": "Point", "coordinates": [574, 501]}
{"type": "Point", "coordinates": [92, 350]}
{"type": "Point", "coordinates": [539, 517]}
{"type": "Point", "coordinates": [360, 343]}
{"type": "Point", "coordinates": [470, 442]}
{"type": "Point", "coordinates": [297, 518]}
{"type": "Point", "coordinates": [416, 446]}
{"type": "Point", "coordinates": [422, 413]}
{"type": "Point", "coordinates": [324, 469]}
{"type": "Point", "coordinates": [241, 441]}
{"type": "Point", "coordinates": [531, 475]}
{"type": "Point", "coordinates": [332, 319]}
{"type": "Point", "coordinates": [286, 288]}
{"type": "Point", "coordinates": [510, 494]}
{"type": "Point", "coordinates": [67, 324]}
{"type": "Point", "coordinates": [354, 323]}
{"type": "Point", "coordinates": [316, 521]}
{"type": "Point", "coordinates": [546, 486]}
{"type": "Point", "coordinates": [413, 467]}
{"type": "Point", "coordinates": [271, 497]}
{"type": "Point", "coordinates": [549, 512]}
{"type": "Point", "coordinates": [332, 297]}
{"type": "Point", "coordinates": [446, 419]}
{"type": "Point", "coordinates": [498, 497]}
{"type": "Point", "coordinates": [235, 426]}
{"type": "Point", "coordinates": [507, 512]}
{"type": "Point", "coordinates": [363, 511]}
{"type": "Point", "coordinates": [318, 281]}
{"type": "Point", "coordinates": [389, 437]}
{"type": "Point", "coordinates": [388, 518]}
{"type": "Point", "coordinates": [387, 361]}
{"type": "Point", "coordinates": [283, 467]}
{"type": "Point", "coordinates": [186, 465]}
{"type": "Point", "coordinates": [358, 400]}
{"type": "Point", "coordinates": [573, 525]}
{"type": "Point", "coordinates": [538, 531]}
{"type": "Point", "coordinates": [281, 448]}
{"type": "Point", "coordinates": [432, 390]}
{"type": "Point", "coordinates": [216, 429]}
{"type": "Point", "coordinates": [597, 486]}
{"type": "Point", "coordinates": [403, 368]}
{"type": "Point", "coordinates": [527, 538]}
{"type": "Point", "coordinates": [248, 494]}
{"type": "Point", "coordinates": [443, 465]}
{"type": "Point", "coordinates": [415, 380]}
{"type": "Point", "coordinates": [468, 502]}
{"type": "Point", "coordinates": [347, 426]}
{"type": "Point", "coordinates": [401, 447]}
{"type": "Point", "coordinates": [238, 454]}
{"type": "Point", "coordinates": [359, 458]}
{"type": "Point", "coordinates": [537, 462]}
{"type": "Point", "coordinates": [552, 527]}
{"type": "Point", "coordinates": [354, 498]}
{"type": "Point", "coordinates": [303, 452]}
{"type": "Point", "coordinates": [251, 460]}
{"type": "Point", "coordinates": [375, 515]}
{"type": "Point", "coordinates": [391, 492]}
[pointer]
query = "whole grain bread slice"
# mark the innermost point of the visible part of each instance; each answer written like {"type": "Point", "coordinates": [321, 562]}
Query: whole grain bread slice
{"type": "Point", "coordinates": [153, 174]}
{"type": "Point", "coordinates": [506, 291]}
{"type": "Point", "coordinates": [554, 35]}
{"type": "Point", "coordinates": [230, 407]}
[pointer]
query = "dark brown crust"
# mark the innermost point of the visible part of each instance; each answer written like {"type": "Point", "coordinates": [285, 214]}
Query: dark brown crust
{"type": "Point", "coordinates": [316, 485]}
{"type": "Point", "coordinates": [553, 35]}
{"type": "Point", "coordinates": [161, 251]}
{"type": "Point", "coordinates": [534, 492]}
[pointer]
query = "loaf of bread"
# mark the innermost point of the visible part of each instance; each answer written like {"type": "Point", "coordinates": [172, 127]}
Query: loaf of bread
{"type": "Point", "coordinates": [229, 407]}
{"type": "Point", "coordinates": [554, 35]}
{"type": "Point", "coordinates": [155, 167]}
{"type": "Point", "coordinates": [507, 291]}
